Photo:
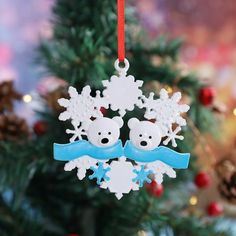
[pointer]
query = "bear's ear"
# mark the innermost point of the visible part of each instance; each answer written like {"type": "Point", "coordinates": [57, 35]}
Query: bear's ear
{"type": "Point", "coordinates": [133, 122]}
{"type": "Point", "coordinates": [118, 120]}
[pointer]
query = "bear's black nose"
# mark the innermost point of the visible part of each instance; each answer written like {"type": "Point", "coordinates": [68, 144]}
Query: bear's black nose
{"type": "Point", "coordinates": [143, 143]}
{"type": "Point", "coordinates": [105, 140]}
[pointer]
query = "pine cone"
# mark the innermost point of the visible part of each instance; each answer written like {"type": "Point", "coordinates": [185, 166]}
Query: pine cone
{"type": "Point", "coordinates": [52, 99]}
{"type": "Point", "coordinates": [226, 171]}
{"type": "Point", "coordinates": [228, 189]}
{"type": "Point", "coordinates": [7, 96]}
{"type": "Point", "coordinates": [12, 128]}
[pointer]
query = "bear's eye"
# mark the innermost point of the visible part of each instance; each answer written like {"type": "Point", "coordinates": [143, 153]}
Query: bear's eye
{"type": "Point", "coordinates": [99, 133]}
{"type": "Point", "coordinates": [109, 133]}
{"type": "Point", "coordinates": [150, 137]}
{"type": "Point", "coordinates": [140, 135]}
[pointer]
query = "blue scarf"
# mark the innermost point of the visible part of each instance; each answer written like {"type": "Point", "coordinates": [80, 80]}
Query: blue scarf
{"type": "Point", "coordinates": [71, 151]}
{"type": "Point", "coordinates": [164, 154]}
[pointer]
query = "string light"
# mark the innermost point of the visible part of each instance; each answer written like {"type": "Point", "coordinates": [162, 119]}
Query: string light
{"type": "Point", "coordinates": [234, 111]}
{"type": "Point", "coordinates": [27, 98]}
{"type": "Point", "coordinates": [168, 89]}
{"type": "Point", "coordinates": [193, 200]}
{"type": "Point", "coordinates": [142, 233]}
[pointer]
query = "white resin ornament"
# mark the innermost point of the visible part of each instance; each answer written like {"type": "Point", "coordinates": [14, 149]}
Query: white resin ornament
{"type": "Point", "coordinates": [158, 169]}
{"type": "Point", "coordinates": [165, 110]}
{"type": "Point", "coordinates": [142, 157]}
{"type": "Point", "coordinates": [172, 135]}
{"type": "Point", "coordinates": [104, 132]}
{"type": "Point", "coordinates": [122, 91]}
{"type": "Point", "coordinates": [82, 164]}
{"type": "Point", "coordinates": [144, 135]}
{"type": "Point", "coordinates": [80, 108]}
{"type": "Point", "coordinates": [121, 178]}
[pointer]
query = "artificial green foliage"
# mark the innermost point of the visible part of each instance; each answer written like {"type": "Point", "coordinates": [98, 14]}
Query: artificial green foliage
{"type": "Point", "coordinates": [38, 197]}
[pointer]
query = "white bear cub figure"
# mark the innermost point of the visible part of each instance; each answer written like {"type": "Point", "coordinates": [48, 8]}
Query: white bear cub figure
{"type": "Point", "coordinates": [104, 132]}
{"type": "Point", "coordinates": [144, 135]}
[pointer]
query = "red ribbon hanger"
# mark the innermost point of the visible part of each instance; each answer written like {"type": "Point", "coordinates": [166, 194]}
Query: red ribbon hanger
{"type": "Point", "coordinates": [121, 29]}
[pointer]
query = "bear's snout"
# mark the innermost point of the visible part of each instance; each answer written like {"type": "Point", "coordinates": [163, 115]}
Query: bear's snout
{"type": "Point", "coordinates": [104, 140]}
{"type": "Point", "coordinates": [143, 143]}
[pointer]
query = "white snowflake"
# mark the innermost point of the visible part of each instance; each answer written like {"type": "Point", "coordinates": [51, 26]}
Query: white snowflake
{"type": "Point", "coordinates": [159, 169]}
{"type": "Point", "coordinates": [78, 132]}
{"type": "Point", "coordinates": [172, 135]}
{"type": "Point", "coordinates": [83, 164]}
{"type": "Point", "coordinates": [80, 108]}
{"type": "Point", "coordinates": [121, 178]}
{"type": "Point", "coordinates": [165, 110]}
{"type": "Point", "coordinates": [122, 92]}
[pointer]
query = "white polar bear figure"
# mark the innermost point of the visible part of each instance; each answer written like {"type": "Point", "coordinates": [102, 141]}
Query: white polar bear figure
{"type": "Point", "coordinates": [104, 132]}
{"type": "Point", "coordinates": [144, 135]}
{"type": "Point", "coordinates": [101, 132]}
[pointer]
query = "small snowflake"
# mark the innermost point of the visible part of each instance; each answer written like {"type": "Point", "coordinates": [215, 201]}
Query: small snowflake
{"type": "Point", "coordinates": [77, 133]}
{"type": "Point", "coordinates": [172, 135]}
{"type": "Point", "coordinates": [165, 110]}
{"type": "Point", "coordinates": [82, 163]}
{"type": "Point", "coordinates": [142, 176]}
{"type": "Point", "coordinates": [158, 169]}
{"type": "Point", "coordinates": [122, 93]}
{"type": "Point", "coordinates": [99, 173]}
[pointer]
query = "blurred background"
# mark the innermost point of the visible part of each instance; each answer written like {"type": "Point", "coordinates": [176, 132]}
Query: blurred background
{"type": "Point", "coordinates": [209, 52]}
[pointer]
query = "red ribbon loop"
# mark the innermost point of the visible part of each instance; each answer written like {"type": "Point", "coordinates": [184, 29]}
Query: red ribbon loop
{"type": "Point", "coordinates": [121, 29]}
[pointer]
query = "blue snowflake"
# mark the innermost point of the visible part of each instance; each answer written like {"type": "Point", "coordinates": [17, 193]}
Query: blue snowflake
{"type": "Point", "coordinates": [142, 176]}
{"type": "Point", "coordinates": [99, 173]}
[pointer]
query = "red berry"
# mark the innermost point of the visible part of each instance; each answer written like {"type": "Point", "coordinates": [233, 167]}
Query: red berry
{"type": "Point", "coordinates": [214, 209]}
{"type": "Point", "coordinates": [155, 189]}
{"type": "Point", "coordinates": [207, 95]}
{"type": "Point", "coordinates": [40, 127]}
{"type": "Point", "coordinates": [202, 180]}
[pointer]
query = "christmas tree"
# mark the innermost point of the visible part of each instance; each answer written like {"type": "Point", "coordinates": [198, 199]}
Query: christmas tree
{"type": "Point", "coordinates": [40, 198]}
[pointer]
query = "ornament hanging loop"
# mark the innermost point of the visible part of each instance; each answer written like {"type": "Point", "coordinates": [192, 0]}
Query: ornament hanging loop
{"type": "Point", "coordinates": [121, 70]}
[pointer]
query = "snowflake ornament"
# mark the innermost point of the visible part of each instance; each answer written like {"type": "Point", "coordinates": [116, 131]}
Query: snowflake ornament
{"type": "Point", "coordinates": [78, 132]}
{"type": "Point", "coordinates": [142, 176]}
{"type": "Point", "coordinates": [165, 110]}
{"type": "Point", "coordinates": [121, 178]}
{"type": "Point", "coordinates": [142, 157]}
{"type": "Point", "coordinates": [80, 108]}
{"type": "Point", "coordinates": [172, 135]}
{"type": "Point", "coordinates": [158, 169]}
{"type": "Point", "coordinates": [122, 92]}
{"type": "Point", "coordinates": [82, 164]}
{"type": "Point", "coordinates": [100, 173]}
